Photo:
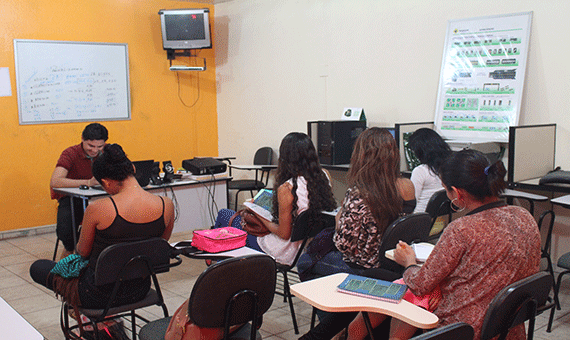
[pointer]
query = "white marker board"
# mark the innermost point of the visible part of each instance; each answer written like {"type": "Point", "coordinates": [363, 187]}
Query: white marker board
{"type": "Point", "coordinates": [67, 81]}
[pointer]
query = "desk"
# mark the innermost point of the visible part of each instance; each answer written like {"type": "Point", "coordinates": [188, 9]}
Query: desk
{"type": "Point", "coordinates": [533, 184]}
{"type": "Point", "coordinates": [14, 327]}
{"type": "Point", "coordinates": [193, 198]}
{"type": "Point", "coordinates": [322, 293]}
{"type": "Point", "coordinates": [562, 201]}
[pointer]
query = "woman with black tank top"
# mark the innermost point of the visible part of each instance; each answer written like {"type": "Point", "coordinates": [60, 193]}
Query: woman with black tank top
{"type": "Point", "coordinates": [130, 214]}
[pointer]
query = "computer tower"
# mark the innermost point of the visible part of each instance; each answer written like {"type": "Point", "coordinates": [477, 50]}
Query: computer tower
{"type": "Point", "coordinates": [334, 140]}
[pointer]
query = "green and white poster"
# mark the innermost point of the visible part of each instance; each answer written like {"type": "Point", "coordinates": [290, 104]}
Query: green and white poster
{"type": "Point", "coordinates": [482, 77]}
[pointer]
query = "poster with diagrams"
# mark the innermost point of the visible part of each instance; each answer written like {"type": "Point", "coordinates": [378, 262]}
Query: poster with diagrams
{"type": "Point", "coordinates": [482, 77]}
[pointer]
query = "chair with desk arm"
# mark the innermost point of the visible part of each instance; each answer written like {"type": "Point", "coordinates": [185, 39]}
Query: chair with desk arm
{"type": "Point", "coordinates": [303, 230]}
{"type": "Point", "coordinates": [409, 228]}
{"type": "Point", "coordinates": [515, 304]}
{"type": "Point", "coordinates": [263, 156]}
{"type": "Point", "coordinates": [122, 262]}
{"type": "Point", "coordinates": [454, 331]}
{"type": "Point", "coordinates": [231, 292]}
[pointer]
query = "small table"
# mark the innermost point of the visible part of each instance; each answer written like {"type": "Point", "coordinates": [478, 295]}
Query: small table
{"type": "Point", "coordinates": [322, 293]}
{"type": "Point", "coordinates": [14, 327]}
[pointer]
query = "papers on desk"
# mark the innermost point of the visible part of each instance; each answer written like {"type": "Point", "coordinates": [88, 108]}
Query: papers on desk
{"type": "Point", "coordinates": [422, 250]}
{"type": "Point", "coordinates": [372, 288]}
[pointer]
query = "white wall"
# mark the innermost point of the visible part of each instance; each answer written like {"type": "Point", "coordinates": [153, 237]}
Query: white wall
{"type": "Point", "coordinates": [281, 63]}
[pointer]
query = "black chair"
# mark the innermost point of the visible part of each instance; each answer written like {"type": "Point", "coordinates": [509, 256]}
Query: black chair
{"type": "Point", "coordinates": [455, 331]}
{"type": "Point", "coordinates": [231, 292]}
{"type": "Point", "coordinates": [438, 205]}
{"type": "Point", "coordinates": [564, 263]}
{"type": "Point", "coordinates": [263, 156]}
{"type": "Point", "coordinates": [303, 230]}
{"type": "Point", "coordinates": [545, 254]}
{"type": "Point", "coordinates": [409, 228]}
{"type": "Point", "coordinates": [515, 304]}
{"type": "Point", "coordinates": [119, 263]}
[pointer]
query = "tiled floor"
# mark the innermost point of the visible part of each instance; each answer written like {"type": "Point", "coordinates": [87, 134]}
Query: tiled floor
{"type": "Point", "coordinates": [39, 306]}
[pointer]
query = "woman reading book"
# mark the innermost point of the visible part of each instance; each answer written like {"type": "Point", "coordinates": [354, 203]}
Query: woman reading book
{"type": "Point", "coordinates": [300, 184]}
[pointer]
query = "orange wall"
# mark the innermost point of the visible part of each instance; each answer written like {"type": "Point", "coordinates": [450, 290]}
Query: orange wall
{"type": "Point", "coordinates": [161, 126]}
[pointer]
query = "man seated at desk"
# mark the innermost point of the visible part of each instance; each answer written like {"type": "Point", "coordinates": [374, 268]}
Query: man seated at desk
{"type": "Point", "coordinates": [72, 170]}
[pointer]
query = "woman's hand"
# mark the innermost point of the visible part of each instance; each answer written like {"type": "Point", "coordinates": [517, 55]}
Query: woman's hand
{"type": "Point", "coordinates": [404, 255]}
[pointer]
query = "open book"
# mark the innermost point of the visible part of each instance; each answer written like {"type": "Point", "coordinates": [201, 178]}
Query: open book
{"type": "Point", "coordinates": [262, 204]}
{"type": "Point", "coordinates": [372, 288]}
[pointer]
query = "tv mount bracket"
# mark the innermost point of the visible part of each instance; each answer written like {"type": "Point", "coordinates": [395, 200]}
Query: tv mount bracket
{"type": "Point", "coordinates": [171, 55]}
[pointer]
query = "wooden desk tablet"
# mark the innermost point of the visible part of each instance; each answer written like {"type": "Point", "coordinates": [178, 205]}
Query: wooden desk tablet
{"type": "Point", "coordinates": [322, 293]}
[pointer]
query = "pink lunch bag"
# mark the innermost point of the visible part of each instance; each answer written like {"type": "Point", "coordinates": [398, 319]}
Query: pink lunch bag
{"type": "Point", "coordinates": [218, 240]}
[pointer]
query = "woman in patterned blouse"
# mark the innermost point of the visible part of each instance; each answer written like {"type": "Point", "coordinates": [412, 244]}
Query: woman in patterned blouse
{"type": "Point", "coordinates": [376, 196]}
{"type": "Point", "coordinates": [479, 254]}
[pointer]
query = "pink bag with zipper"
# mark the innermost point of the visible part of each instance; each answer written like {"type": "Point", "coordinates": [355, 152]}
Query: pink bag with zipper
{"type": "Point", "coordinates": [218, 240]}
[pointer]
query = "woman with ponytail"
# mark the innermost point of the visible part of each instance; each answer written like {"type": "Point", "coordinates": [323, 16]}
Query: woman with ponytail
{"type": "Point", "coordinates": [129, 214]}
{"type": "Point", "coordinates": [480, 253]}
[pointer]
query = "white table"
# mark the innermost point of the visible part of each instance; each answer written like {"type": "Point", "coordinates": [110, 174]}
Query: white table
{"type": "Point", "coordinates": [194, 200]}
{"type": "Point", "coordinates": [14, 327]}
{"type": "Point", "coordinates": [562, 200]}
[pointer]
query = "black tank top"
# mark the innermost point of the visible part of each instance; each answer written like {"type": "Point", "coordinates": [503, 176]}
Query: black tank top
{"type": "Point", "coordinates": [122, 230]}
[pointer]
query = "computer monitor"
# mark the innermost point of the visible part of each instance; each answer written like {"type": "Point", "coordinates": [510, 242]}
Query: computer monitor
{"type": "Point", "coordinates": [143, 171]}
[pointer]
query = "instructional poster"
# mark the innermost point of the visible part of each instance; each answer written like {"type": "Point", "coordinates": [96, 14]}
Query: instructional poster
{"type": "Point", "coordinates": [482, 77]}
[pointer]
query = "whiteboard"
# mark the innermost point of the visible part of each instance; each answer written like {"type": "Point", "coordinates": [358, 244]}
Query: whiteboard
{"type": "Point", "coordinates": [482, 77]}
{"type": "Point", "coordinates": [67, 81]}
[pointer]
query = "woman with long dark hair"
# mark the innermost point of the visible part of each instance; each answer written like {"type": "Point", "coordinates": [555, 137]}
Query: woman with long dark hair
{"type": "Point", "coordinates": [376, 196]}
{"type": "Point", "coordinates": [300, 184]}
{"type": "Point", "coordinates": [431, 150]}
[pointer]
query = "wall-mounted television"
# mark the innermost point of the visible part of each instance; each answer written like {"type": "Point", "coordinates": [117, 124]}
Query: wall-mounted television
{"type": "Point", "coordinates": [185, 29]}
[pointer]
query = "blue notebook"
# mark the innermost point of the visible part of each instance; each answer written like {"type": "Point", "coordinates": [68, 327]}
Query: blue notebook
{"type": "Point", "coordinates": [372, 288]}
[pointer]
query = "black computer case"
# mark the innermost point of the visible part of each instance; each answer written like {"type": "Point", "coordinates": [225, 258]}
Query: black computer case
{"type": "Point", "coordinates": [334, 140]}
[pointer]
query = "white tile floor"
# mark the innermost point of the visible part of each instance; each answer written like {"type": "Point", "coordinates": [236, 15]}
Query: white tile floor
{"type": "Point", "coordinates": [39, 306]}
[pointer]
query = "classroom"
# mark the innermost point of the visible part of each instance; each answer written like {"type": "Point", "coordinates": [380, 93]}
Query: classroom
{"type": "Point", "coordinates": [274, 65]}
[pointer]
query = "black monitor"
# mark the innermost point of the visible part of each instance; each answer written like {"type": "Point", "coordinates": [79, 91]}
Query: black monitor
{"type": "Point", "coordinates": [143, 171]}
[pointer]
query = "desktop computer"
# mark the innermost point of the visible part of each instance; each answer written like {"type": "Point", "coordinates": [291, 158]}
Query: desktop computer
{"type": "Point", "coordinates": [334, 140]}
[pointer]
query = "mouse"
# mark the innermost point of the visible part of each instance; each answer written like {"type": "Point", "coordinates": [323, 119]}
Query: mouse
{"type": "Point", "coordinates": [83, 187]}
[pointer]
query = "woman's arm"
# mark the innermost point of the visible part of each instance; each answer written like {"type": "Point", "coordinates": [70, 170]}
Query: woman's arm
{"type": "Point", "coordinates": [168, 218]}
{"type": "Point", "coordinates": [88, 229]}
{"type": "Point", "coordinates": [285, 203]}
{"type": "Point", "coordinates": [406, 189]}
{"type": "Point", "coordinates": [443, 260]}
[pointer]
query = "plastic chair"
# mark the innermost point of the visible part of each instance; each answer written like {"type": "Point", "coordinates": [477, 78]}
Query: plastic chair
{"type": "Point", "coordinates": [438, 205]}
{"type": "Point", "coordinates": [564, 263]}
{"type": "Point", "coordinates": [410, 228]}
{"type": "Point", "coordinates": [263, 156]}
{"type": "Point", "coordinates": [119, 263]}
{"type": "Point", "coordinates": [231, 292]}
{"type": "Point", "coordinates": [455, 331]}
{"type": "Point", "coordinates": [515, 304]}
{"type": "Point", "coordinates": [303, 230]}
